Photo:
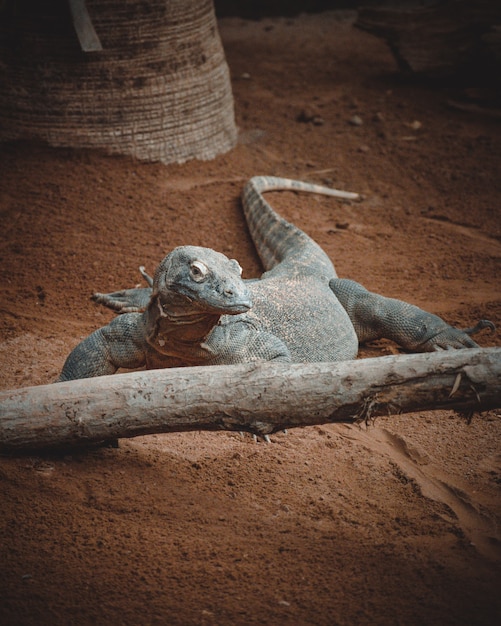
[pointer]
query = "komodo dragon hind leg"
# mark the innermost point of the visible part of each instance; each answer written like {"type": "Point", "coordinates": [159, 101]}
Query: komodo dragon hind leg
{"type": "Point", "coordinates": [127, 300]}
{"type": "Point", "coordinates": [375, 316]}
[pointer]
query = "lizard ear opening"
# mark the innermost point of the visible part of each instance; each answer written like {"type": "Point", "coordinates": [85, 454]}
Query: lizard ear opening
{"type": "Point", "coordinates": [161, 271]}
{"type": "Point", "coordinates": [237, 266]}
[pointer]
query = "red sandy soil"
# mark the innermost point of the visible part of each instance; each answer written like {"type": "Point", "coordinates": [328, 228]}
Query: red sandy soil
{"type": "Point", "coordinates": [398, 523]}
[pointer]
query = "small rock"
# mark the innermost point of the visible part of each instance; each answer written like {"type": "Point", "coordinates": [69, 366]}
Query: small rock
{"type": "Point", "coordinates": [245, 76]}
{"type": "Point", "coordinates": [311, 114]}
{"type": "Point", "coordinates": [307, 114]}
{"type": "Point", "coordinates": [41, 295]}
{"type": "Point", "coordinates": [356, 120]}
{"type": "Point", "coordinates": [363, 148]}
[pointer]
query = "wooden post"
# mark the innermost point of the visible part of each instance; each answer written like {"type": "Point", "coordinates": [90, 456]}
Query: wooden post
{"type": "Point", "coordinates": [258, 397]}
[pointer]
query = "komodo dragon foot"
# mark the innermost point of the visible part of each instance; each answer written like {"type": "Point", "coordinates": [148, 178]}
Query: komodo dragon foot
{"type": "Point", "coordinates": [452, 338]}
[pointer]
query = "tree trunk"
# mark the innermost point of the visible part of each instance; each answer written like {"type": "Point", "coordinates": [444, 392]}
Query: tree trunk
{"type": "Point", "coordinates": [441, 39]}
{"type": "Point", "coordinates": [261, 398]}
{"type": "Point", "coordinates": [146, 79]}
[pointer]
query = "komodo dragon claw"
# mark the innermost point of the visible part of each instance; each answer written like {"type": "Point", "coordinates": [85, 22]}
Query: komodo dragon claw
{"type": "Point", "coordinates": [455, 338]}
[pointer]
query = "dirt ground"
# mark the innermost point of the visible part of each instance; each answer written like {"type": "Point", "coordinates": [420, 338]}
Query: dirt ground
{"type": "Point", "coordinates": [334, 525]}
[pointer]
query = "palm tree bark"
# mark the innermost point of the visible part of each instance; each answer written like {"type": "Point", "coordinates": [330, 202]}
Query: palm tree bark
{"type": "Point", "coordinates": [146, 79]}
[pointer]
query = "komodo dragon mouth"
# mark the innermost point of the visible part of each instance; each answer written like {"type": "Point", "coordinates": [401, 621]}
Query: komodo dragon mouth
{"type": "Point", "coordinates": [198, 311]}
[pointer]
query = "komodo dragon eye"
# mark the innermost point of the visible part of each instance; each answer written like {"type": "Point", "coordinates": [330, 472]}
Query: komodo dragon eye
{"type": "Point", "coordinates": [198, 271]}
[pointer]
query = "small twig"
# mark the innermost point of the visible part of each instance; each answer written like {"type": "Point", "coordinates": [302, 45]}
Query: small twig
{"type": "Point", "coordinates": [456, 384]}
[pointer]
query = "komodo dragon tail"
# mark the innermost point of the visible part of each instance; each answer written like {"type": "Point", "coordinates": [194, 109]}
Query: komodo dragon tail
{"type": "Point", "coordinates": [276, 239]}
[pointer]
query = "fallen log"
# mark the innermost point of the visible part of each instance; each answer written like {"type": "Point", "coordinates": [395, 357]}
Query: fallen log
{"type": "Point", "coordinates": [261, 398]}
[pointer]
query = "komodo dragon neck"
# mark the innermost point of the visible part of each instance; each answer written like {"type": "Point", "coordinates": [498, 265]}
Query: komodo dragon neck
{"type": "Point", "coordinates": [179, 331]}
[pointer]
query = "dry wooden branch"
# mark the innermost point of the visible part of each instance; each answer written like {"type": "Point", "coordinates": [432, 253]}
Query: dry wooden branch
{"type": "Point", "coordinates": [260, 398]}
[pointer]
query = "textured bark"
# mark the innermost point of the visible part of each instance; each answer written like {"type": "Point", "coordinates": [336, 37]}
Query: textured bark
{"type": "Point", "coordinates": [260, 398]}
{"type": "Point", "coordinates": [159, 89]}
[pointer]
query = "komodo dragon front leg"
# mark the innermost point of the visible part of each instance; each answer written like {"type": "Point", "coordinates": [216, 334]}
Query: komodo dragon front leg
{"type": "Point", "coordinates": [120, 344]}
{"type": "Point", "coordinates": [375, 317]}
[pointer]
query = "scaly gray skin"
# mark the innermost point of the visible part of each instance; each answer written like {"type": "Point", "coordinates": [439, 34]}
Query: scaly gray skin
{"type": "Point", "coordinates": [198, 310]}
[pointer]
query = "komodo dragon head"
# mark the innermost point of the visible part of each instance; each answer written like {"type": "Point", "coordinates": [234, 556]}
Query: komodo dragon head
{"type": "Point", "coordinates": [192, 288]}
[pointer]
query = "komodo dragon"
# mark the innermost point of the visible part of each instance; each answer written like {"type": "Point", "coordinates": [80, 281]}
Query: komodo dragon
{"type": "Point", "coordinates": [199, 311]}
